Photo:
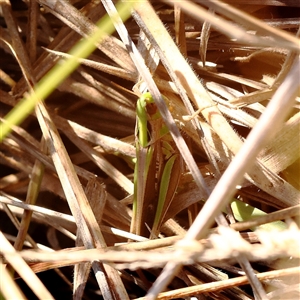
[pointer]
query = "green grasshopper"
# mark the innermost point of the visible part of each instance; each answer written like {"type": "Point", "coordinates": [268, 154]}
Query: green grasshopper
{"type": "Point", "coordinates": [157, 170]}
{"type": "Point", "coordinates": [157, 173]}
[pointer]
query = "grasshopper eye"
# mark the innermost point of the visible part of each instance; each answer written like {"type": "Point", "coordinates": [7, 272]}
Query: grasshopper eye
{"type": "Point", "coordinates": [147, 97]}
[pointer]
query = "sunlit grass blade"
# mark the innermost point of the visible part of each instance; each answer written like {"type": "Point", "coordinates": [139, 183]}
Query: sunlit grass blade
{"type": "Point", "coordinates": [60, 72]}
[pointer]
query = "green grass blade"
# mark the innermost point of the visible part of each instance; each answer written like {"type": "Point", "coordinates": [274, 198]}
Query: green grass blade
{"type": "Point", "coordinates": [245, 212]}
{"type": "Point", "coordinates": [60, 71]}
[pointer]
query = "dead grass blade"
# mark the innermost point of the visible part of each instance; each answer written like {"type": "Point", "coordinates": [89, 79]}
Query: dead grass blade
{"type": "Point", "coordinates": [23, 269]}
{"type": "Point", "coordinates": [82, 24]}
{"type": "Point", "coordinates": [278, 108]}
{"type": "Point", "coordinates": [9, 288]}
{"type": "Point", "coordinates": [211, 250]}
{"type": "Point", "coordinates": [218, 64]}
{"type": "Point", "coordinates": [31, 197]}
{"type": "Point", "coordinates": [220, 285]}
{"type": "Point", "coordinates": [94, 192]}
{"type": "Point", "coordinates": [81, 210]}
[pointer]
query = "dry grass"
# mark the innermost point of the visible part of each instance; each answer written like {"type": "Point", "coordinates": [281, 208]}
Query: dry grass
{"type": "Point", "coordinates": [66, 179]}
